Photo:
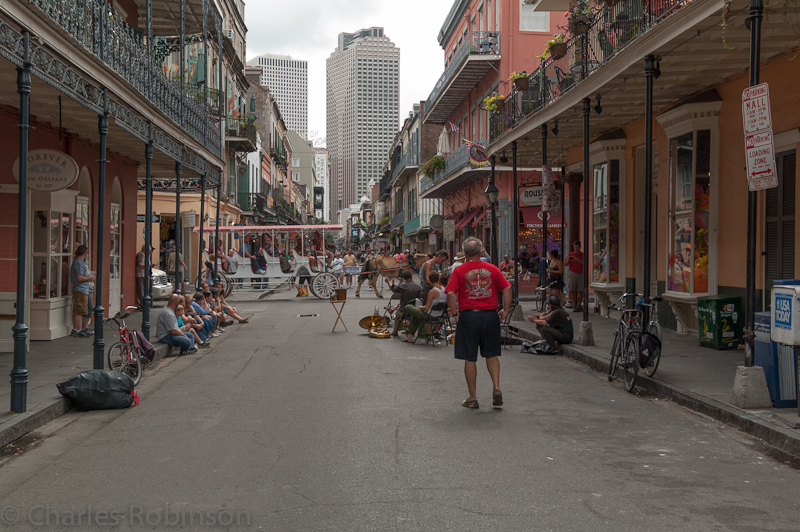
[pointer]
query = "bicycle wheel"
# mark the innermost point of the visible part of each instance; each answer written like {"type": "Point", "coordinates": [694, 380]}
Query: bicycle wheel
{"type": "Point", "coordinates": [616, 356]}
{"type": "Point", "coordinates": [630, 367]}
{"type": "Point", "coordinates": [125, 360]}
{"type": "Point", "coordinates": [652, 366]}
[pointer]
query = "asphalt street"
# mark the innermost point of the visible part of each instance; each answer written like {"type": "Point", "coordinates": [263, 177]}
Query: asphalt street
{"type": "Point", "coordinates": [283, 425]}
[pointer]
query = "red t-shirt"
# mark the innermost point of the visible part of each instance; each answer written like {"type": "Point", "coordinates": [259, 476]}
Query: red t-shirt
{"type": "Point", "coordinates": [477, 284]}
{"type": "Point", "coordinates": [576, 267]}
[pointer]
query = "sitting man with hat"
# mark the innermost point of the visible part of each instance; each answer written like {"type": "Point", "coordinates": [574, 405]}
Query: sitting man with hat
{"type": "Point", "coordinates": [555, 326]}
{"type": "Point", "coordinates": [408, 291]}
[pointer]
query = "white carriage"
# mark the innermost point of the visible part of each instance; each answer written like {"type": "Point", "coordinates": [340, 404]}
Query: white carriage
{"type": "Point", "coordinates": [300, 256]}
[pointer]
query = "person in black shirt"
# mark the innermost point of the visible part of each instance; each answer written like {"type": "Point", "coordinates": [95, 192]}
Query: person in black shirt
{"type": "Point", "coordinates": [555, 326]}
{"type": "Point", "coordinates": [408, 292]}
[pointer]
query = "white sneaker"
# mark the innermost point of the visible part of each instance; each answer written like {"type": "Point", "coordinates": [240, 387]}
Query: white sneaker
{"type": "Point", "coordinates": [220, 330]}
{"type": "Point", "coordinates": [215, 334]}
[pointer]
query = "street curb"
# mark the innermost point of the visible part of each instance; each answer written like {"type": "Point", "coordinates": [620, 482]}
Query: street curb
{"type": "Point", "coordinates": [21, 424]}
{"type": "Point", "coordinates": [782, 438]}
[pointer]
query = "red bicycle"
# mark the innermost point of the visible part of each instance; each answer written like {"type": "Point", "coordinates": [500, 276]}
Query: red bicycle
{"type": "Point", "coordinates": [126, 355]}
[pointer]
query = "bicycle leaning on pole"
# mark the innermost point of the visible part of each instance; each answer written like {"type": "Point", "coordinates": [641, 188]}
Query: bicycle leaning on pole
{"type": "Point", "coordinates": [636, 345]}
{"type": "Point", "coordinates": [126, 355]}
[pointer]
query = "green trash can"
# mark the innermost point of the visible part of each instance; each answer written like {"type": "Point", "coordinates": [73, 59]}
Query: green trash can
{"type": "Point", "coordinates": [720, 321]}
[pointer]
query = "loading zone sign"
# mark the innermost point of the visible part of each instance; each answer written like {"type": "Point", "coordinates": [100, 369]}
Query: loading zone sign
{"type": "Point", "coordinates": [759, 147]}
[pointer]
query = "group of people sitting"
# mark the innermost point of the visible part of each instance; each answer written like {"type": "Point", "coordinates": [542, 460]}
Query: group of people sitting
{"type": "Point", "coordinates": [188, 322]}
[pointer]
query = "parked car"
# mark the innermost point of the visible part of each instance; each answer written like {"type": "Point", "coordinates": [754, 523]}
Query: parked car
{"type": "Point", "coordinates": [162, 288]}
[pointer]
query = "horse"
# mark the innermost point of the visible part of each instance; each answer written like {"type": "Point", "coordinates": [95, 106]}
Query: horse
{"type": "Point", "coordinates": [389, 267]}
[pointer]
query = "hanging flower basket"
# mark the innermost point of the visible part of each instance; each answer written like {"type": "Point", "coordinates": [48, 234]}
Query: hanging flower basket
{"type": "Point", "coordinates": [521, 84]}
{"type": "Point", "coordinates": [558, 50]}
{"type": "Point", "coordinates": [578, 28]}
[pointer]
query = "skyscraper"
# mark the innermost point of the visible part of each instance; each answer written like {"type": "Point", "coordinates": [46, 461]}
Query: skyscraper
{"type": "Point", "coordinates": [287, 79]}
{"type": "Point", "coordinates": [363, 87]}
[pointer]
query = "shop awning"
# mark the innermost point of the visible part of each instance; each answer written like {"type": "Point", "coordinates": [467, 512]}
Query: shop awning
{"type": "Point", "coordinates": [466, 219]}
{"type": "Point", "coordinates": [480, 217]}
{"type": "Point", "coordinates": [532, 216]}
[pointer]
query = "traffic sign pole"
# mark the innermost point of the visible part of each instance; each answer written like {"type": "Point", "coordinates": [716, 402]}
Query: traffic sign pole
{"type": "Point", "coordinates": [756, 13]}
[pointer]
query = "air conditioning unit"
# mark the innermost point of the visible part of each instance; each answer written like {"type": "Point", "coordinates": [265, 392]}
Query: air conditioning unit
{"type": "Point", "coordinates": [228, 34]}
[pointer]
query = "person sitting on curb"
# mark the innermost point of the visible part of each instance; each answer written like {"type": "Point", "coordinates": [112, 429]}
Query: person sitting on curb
{"type": "Point", "coordinates": [167, 330]}
{"type": "Point", "coordinates": [435, 295]}
{"type": "Point", "coordinates": [198, 304]}
{"type": "Point", "coordinates": [555, 326]}
{"type": "Point", "coordinates": [193, 318]}
{"type": "Point", "coordinates": [408, 291]}
{"type": "Point", "coordinates": [188, 327]}
{"type": "Point", "coordinates": [228, 309]}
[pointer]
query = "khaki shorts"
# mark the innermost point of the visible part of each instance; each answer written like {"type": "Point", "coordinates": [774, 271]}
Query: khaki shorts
{"type": "Point", "coordinates": [80, 303]}
{"type": "Point", "coordinates": [574, 281]}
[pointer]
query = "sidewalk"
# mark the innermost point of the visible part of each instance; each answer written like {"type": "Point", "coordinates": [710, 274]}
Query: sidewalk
{"type": "Point", "coordinates": [52, 362]}
{"type": "Point", "coordinates": [697, 378]}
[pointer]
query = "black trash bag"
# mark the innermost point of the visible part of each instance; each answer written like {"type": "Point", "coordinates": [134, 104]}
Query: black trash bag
{"type": "Point", "coordinates": [540, 347]}
{"type": "Point", "coordinates": [98, 389]}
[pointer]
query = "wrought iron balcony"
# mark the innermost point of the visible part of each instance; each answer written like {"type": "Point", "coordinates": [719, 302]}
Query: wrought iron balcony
{"type": "Point", "coordinates": [241, 135]}
{"type": "Point", "coordinates": [97, 28]}
{"type": "Point", "coordinates": [611, 30]}
{"type": "Point", "coordinates": [457, 160]}
{"type": "Point", "coordinates": [471, 61]}
{"type": "Point", "coordinates": [409, 161]}
{"type": "Point", "coordinates": [398, 219]}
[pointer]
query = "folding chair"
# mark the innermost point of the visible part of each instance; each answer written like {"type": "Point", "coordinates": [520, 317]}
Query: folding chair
{"type": "Point", "coordinates": [438, 325]}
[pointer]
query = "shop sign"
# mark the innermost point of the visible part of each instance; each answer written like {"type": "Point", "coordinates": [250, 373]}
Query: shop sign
{"type": "Point", "coordinates": [48, 170]}
{"type": "Point", "coordinates": [531, 196]}
{"type": "Point", "coordinates": [188, 218]}
{"type": "Point", "coordinates": [382, 239]}
{"type": "Point", "coordinates": [759, 147]}
{"type": "Point", "coordinates": [449, 230]}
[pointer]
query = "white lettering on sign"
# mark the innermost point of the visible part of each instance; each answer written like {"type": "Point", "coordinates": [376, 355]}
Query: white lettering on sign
{"type": "Point", "coordinates": [783, 311]}
{"type": "Point", "coordinates": [755, 108]}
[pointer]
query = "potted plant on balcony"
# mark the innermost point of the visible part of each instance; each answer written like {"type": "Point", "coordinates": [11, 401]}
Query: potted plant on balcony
{"type": "Point", "coordinates": [579, 18]}
{"type": "Point", "coordinates": [520, 80]}
{"type": "Point", "coordinates": [493, 103]}
{"type": "Point", "coordinates": [434, 163]}
{"type": "Point", "coordinates": [556, 47]}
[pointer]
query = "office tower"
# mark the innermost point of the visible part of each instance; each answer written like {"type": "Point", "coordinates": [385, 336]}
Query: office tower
{"type": "Point", "coordinates": [363, 76]}
{"type": "Point", "coordinates": [287, 79]}
{"type": "Point", "coordinates": [321, 159]}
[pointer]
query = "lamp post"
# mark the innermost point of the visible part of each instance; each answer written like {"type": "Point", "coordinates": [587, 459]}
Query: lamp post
{"type": "Point", "coordinates": [491, 195]}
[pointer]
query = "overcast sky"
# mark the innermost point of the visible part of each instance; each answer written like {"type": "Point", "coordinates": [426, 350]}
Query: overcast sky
{"type": "Point", "coordinates": [308, 29]}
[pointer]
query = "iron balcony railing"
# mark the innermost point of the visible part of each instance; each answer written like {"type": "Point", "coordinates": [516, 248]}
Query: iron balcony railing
{"type": "Point", "coordinates": [212, 100]}
{"type": "Point", "coordinates": [476, 43]}
{"type": "Point", "coordinates": [611, 30]}
{"type": "Point", "coordinates": [398, 219]}
{"type": "Point", "coordinates": [409, 159]}
{"type": "Point", "coordinates": [99, 30]}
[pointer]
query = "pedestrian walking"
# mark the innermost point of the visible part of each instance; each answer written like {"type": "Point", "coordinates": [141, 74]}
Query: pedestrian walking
{"type": "Point", "coordinates": [140, 274]}
{"type": "Point", "coordinates": [472, 295]}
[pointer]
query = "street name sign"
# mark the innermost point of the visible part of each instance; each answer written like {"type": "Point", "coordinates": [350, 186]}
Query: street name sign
{"type": "Point", "coordinates": [759, 147]}
{"type": "Point", "coordinates": [156, 218]}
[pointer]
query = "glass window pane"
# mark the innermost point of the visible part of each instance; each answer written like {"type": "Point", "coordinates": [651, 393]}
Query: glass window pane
{"type": "Point", "coordinates": [613, 221]}
{"type": "Point", "coordinates": [53, 281]}
{"type": "Point", "coordinates": [39, 266]}
{"type": "Point", "coordinates": [680, 258]}
{"type": "Point", "coordinates": [65, 276]}
{"type": "Point", "coordinates": [66, 232]}
{"type": "Point", "coordinates": [55, 229]}
{"type": "Point", "coordinates": [600, 223]}
{"type": "Point", "coordinates": [40, 233]}
{"type": "Point", "coordinates": [702, 191]}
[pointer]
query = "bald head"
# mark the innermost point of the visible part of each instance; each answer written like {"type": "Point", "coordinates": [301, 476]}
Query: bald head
{"type": "Point", "coordinates": [173, 301]}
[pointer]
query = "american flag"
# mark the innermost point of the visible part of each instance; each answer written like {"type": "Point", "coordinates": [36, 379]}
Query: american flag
{"type": "Point", "coordinates": [454, 128]}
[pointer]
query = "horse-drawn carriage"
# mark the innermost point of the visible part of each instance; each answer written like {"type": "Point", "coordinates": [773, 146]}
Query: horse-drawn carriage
{"type": "Point", "coordinates": [283, 255]}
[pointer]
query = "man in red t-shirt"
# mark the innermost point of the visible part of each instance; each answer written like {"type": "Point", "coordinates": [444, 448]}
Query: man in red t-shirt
{"type": "Point", "coordinates": [472, 295]}
{"type": "Point", "coordinates": [574, 262]}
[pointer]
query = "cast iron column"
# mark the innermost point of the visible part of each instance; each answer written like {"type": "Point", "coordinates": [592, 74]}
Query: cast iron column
{"type": "Point", "coordinates": [515, 219]}
{"type": "Point", "coordinates": [649, 76]}
{"type": "Point", "coordinates": [216, 229]}
{"type": "Point", "coordinates": [587, 246]}
{"type": "Point", "coordinates": [494, 221]}
{"type": "Point", "coordinates": [178, 172]}
{"type": "Point", "coordinates": [147, 300]}
{"type": "Point", "coordinates": [756, 13]}
{"type": "Point", "coordinates": [202, 235]}
{"type": "Point", "coordinates": [563, 182]}
{"type": "Point", "coordinates": [544, 214]}
{"type": "Point", "coordinates": [19, 373]}
{"type": "Point", "coordinates": [99, 342]}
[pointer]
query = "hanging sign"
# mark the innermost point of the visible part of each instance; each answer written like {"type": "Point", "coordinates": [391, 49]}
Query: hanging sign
{"type": "Point", "coordinates": [759, 147]}
{"type": "Point", "coordinates": [531, 196]}
{"type": "Point", "coordinates": [188, 218]}
{"type": "Point", "coordinates": [449, 230]}
{"type": "Point", "coordinates": [48, 170]}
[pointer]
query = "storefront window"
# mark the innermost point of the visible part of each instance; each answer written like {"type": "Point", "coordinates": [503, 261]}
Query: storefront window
{"type": "Point", "coordinates": [115, 242]}
{"type": "Point", "coordinates": [690, 173]}
{"type": "Point", "coordinates": [52, 250]}
{"type": "Point", "coordinates": [606, 222]}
